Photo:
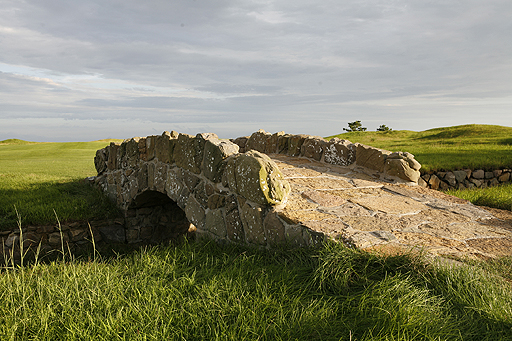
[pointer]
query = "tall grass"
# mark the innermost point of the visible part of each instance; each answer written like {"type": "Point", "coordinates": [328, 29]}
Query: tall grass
{"type": "Point", "coordinates": [206, 291]}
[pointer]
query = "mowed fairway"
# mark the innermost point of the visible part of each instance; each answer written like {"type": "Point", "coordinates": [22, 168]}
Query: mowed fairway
{"type": "Point", "coordinates": [38, 178]}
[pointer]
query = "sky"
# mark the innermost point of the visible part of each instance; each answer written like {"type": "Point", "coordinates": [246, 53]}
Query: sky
{"type": "Point", "coordinates": [82, 70]}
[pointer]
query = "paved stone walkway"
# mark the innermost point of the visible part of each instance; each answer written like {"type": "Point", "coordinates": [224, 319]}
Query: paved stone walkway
{"type": "Point", "coordinates": [353, 205]}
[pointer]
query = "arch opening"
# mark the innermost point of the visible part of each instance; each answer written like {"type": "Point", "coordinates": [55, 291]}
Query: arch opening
{"type": "Point", "coordinates": [154, 218]}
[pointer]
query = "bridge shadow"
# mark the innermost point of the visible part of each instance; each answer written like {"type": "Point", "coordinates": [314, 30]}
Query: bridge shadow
{"type": "Point", "coordinates": [153, 218]}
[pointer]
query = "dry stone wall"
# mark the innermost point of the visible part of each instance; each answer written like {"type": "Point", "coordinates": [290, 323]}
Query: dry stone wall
{"type": "Point", "coordinates": [465, 178]}
{"type": "Point", "coordinates": [55, 239]}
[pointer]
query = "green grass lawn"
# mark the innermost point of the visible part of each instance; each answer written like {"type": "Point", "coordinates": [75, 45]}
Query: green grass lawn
{"type": "Point", "coordinates": [206, 291]}
{"type": "Point", "coordinates": [37, 178]}
{"type": "Point", "coordinates": [469, 146]}
{"type": "Point", "coordinates": [497, 197]}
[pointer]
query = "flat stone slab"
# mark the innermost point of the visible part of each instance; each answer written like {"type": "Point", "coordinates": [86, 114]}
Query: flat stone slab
{"type": "Point", "coordinates": [353, 205]}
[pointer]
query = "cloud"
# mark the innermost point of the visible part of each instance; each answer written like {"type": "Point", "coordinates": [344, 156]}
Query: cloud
{"type": "Point", "coordinates": [250, 64]}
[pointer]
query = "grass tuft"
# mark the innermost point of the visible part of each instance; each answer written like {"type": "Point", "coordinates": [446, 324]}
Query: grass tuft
{"type": "Point", "coordinates": [203, 290]}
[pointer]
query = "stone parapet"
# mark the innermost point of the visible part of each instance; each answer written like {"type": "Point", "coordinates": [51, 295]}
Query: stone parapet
{"type": "Point", "coordinates": [398, 166]}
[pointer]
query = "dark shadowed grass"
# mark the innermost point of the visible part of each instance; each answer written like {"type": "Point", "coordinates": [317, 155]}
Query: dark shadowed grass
{"type": "Point", "coordinates": [206, 291]}
{"type": "Point", "coordinates": [38, 178]}
{"type": "Point", "coordinates": [36, 202]}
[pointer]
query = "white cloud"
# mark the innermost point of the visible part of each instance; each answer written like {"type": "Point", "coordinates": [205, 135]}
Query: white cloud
{"type": "Point", "coordinates": [232, 65]}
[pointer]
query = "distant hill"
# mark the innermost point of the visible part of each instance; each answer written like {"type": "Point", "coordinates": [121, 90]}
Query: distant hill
{"type": "Point", "coordinates": [21, 142]}
{"type": "Point", "coordinates": [15, 141]}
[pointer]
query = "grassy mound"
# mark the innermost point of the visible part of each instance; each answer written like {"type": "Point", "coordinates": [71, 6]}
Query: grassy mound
{"type": "Point", "coordinates": [471, 146]}
{"type": "Point", "coordinates": [15, 141]}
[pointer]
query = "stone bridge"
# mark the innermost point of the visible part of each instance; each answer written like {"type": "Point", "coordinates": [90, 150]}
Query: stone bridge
{"type": "Point", "coordinates": [268, 189]}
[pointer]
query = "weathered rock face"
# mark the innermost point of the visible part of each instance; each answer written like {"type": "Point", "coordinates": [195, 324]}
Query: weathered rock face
{"type": "Point", "coordinates": [255, 176]}
{"type": "Point", "coordinates": [390, 165]}
{"type": "Point", "coordinates": [222, 193]}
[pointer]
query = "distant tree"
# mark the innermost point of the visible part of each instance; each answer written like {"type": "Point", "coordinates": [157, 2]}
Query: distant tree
{"type": "Point", "coordinates": [355, 126]}
{"type": "Point", "coordinates": [383, 127]}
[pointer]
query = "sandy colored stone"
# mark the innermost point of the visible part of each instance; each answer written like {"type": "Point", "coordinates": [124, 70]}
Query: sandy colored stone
{"type": "Point", "coordinates": [373, 223]}
{"type": "Point", "coordinates": [426, 240]}
{"type": "Point", "coordinates": [332, 227]}
{"type": "Point", "coordinates": [390, 204]}
{"type": "Point", "coordinates": [351, 193]}
{"type": "Point", "coordinates": [320, 183]}
{"type": "Point", "coordinates": [433, 194]}
{"type": "Point", "coordinates": [324, 198]}
{"type": "Point", "coordinates": [300, 172]}
{"type": "Point", "coordinates": [393, 249]}
{"type": "Point", "coordinates": [469, 210]}
{"type": "Point", "coordinates": [502, 218]}
{"type": "Point", "coordinates": [362, 240]}
{"type": "Point", "coordinates": [349, 209]}
{"type": "Point", "coordinates": [495, 246]}
{"type": "Point", "coordinates": [442, 217]}
{"type": "Point", "coordinates": [294, 161]}
{"type": "Point", "coordinates": [337, 170]}
{"type": "Point", "coordinates": [297, 202]}
{"type": "Point", "coordinates": [297, 217]}
{"type": "Point", "coordinates": [462, 231]}
{"type": "Point", "coordinates": [364, 183]}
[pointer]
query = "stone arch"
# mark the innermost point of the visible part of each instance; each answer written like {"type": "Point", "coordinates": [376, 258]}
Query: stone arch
{"type": "Point", "coordinates": [225, 194]}
{"type": "Point", "coordinates": [152, 217]}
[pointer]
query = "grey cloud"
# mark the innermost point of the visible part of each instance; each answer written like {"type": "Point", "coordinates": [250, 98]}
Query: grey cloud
{"type": "Point", "coordinates": [221, 88]}
{"type": "Point", "coordinates": [296, 63]}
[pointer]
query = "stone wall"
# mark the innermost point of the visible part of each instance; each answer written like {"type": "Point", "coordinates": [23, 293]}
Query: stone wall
{"type": "Point", "coordinates": [221, 193]}
{"type": "Point", "coordinates": [211, 188]}
{"type": "Point", "coordinates": [49, 240]}
{"type": "Point", "coordinates": [465, 178]}
{"type": "Point", "coordinates": [172, 184]}
{"type": "Point", "coordinates": [392, 166]}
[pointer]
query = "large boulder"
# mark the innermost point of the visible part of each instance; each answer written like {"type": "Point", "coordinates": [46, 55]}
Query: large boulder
{"type": "Point", "coordinates": [340, 152]}
{"type": "Point", "coordinates": [371, 157]}
{"type": "Point", "coordinates": [256, 177]}
{"type": "Point", "coordinates": [402, 165]}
